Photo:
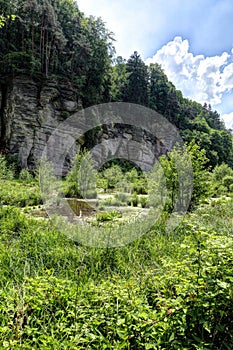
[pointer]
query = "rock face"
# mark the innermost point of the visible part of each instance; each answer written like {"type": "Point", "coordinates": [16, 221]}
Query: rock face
{"type": "Point", "coordinates": [30, 111]}
{"type": "Point", "coordinates": [127, 142]}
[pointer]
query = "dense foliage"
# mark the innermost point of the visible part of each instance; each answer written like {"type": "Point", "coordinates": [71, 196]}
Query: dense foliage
{"type": "Point", "coordinates": [166, 290]}
{"type": "Point", "coordinates": [133, 81]}
{"type": "Point", "coordinates": [53, 38]}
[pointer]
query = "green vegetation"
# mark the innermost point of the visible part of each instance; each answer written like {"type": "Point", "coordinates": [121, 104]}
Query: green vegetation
{"type": "Point", "coordinates": [4, 19]}
{"type": "Point", "coordinates": [54, 39]}
{"type": "Point", "coordinates": [5, 171]}
{"type": "Point", "coordinates": [81, 180]}
{"type": "Point", "coordinates": [133, 81]}
{"type": "Point", "coordinates": [108, 216]}
{"type": "Point", "coordinates": [166, 290]}
{"type": "Point", "coordinates": [222, 179]}
{"type": "Point", "coordinates": [122, 177]}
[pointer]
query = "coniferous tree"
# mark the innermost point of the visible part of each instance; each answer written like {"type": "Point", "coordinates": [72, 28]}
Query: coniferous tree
{"type": "Point", "coordinates": [158, 88]}
{"type": "Point", "coordinates": [136, 86]}
{"type": "Point", "coordinates": [52, 37]}
{"type": "Point", "coordinates": [118, 79]}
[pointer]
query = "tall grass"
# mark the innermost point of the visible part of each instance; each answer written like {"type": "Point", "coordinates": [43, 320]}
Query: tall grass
{"type": "Point", "coordinates": [165, 290]}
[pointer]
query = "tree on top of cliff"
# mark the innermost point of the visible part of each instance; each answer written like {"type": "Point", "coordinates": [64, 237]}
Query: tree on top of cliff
{"type": "Point", "coordinates": [52, 37]}
{"type": "Point", "coordinates": [135, 88]}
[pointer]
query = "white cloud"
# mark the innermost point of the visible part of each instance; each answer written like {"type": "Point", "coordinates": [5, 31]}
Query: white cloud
{"type": "Point", "coordinates": [132, 22]}
{"type": "Point", "coordinates": [204, 79]}
{"type": "Point", "coordinates": [228, 120]}
{"type": "Point", "coordinates": [147, 25]}
{"type": "Point", "coordinates": [227, 77]}
{"type": "Point", "coordinates": [199, 67]}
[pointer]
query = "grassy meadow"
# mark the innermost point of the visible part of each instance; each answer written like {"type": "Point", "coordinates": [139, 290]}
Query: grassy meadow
{"type": "Point", "coordinates": [165, 290]}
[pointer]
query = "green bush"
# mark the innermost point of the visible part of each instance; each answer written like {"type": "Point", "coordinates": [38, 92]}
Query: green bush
{"type": "Point", "coordinates": [134, 199]}
{"type": "Point", "coordinates": [144, 202]}
{"type": "Point", "coordinates": [220, 190]}
{"type": "Point", "coordinates": [81, 180]}
{"type": "Point", "coordinates": [102, 183]}
{"type": "Point", "coordinates": [227, 181]}
{"type": "Point", "coordinates": [12, 221]}
{"type": "Point", "coordinates": [222, 179]}
{"type": "Point", "coordinates": [25, 175]}
{"type": "Point", "coordinates": [113, 175]}
{"type": "Point", "coordinates": [108, 216]}
{"type": "Point", "coordinates": [19, 194]}
{"type": "Point", "coordinates": [140, 186]}
{"type": "Point", "coordinates": [6, 173]}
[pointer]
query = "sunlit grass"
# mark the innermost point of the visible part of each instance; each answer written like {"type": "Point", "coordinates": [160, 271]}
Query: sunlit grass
{"type": "Point", "coordinates": [163, 290]}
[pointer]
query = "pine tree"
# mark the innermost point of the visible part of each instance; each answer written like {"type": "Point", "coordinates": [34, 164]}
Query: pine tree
{"type": "Point", "coordinates": [135, 89]}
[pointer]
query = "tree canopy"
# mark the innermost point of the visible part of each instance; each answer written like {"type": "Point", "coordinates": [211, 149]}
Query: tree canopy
{"type": "Point", "coordinates": [52, 37]}
{"type": "Point", "coordinates": [133, 81]}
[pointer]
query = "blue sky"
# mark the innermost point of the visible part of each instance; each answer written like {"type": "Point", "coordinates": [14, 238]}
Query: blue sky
{"type": "Point", "coordinates": [191, 39]}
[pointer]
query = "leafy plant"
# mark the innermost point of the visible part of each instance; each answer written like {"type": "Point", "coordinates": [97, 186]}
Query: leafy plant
{"type": "Point", "coordinates": [6, 173]}
{"type": "Point", "coordinates": [134, 199]}
{"type": "Point", "coordinates": [25, 175]}
{"type": "Point", "coordinates": [14, 193]}
{"type": "Point", "coordinates": [81, 180]}
{"type": "Point", "coordinates": [108, 215]}
{"type": "Point", "coordinates": [144, 201]}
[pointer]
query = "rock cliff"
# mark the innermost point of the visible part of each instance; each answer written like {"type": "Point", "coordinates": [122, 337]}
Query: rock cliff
{"type": "Point", "coordinates": [31, 110]}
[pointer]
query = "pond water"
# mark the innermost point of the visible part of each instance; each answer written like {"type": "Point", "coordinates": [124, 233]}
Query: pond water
{"type": "Point", "coordinates": [81, 207]}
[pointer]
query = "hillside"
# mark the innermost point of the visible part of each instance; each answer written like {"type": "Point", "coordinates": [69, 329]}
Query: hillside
{"type": "Point", "coordinates": [55, 61]}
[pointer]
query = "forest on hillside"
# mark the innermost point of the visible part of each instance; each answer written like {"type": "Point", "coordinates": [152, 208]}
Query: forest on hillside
{"type": "Point", "coordinates": [124, 278]}
{"type": "Point", "coordinates": [51, 38]}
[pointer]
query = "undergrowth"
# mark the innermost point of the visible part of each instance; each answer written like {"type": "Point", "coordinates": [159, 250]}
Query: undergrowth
{"type": "Point", "coordinates": [166, 290]}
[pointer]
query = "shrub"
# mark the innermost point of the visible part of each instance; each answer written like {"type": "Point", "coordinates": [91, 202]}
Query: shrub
{"type": "Point", "coordinates": [227, 181]}
{"type": "Point", "coordinates": [12, 221]}
{"type": "Point", "coordinates": [6, 173]}
{"type": "Point", "coordinates": [113, 175]}
{"type": "Point", "coordinates": [102, 183]}
{"type": "Point", "coordinates": [18, 194]}
{"type": "Point", "coordinates": [134, 199]}
{"type": "Point", "coordinates": [220, 171]}
{"type": "Point", "coordinates": [144, 202]}
{"type": "Point", "coordinates": [25, 175]}
{"type": "Point", "coordinates": [140, 186]}
{"type": "Point", "coordinates": [81, 180]}
{"type": "Point", "coordinates": [222, 179]}
{"type": "Point", "coordinates": [108, 216]}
